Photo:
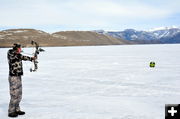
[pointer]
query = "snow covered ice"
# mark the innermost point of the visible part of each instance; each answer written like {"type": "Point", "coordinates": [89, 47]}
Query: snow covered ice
{"type": "Point", "coordinates": [97, 82]}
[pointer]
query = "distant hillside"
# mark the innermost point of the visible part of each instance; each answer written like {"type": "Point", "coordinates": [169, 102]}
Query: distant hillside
{"type": "Point", "coordinates": [158, 35]}
{"type": "Point", "coordinates": [23, 36]}
{"type": "Point", "coordinates": [66, 38]}
{"type": "Point", "coordinates": [86, 38]}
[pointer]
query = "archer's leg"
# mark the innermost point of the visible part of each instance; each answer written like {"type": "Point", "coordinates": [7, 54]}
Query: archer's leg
{"type": "Point", "coordinates": [19, 93]}
{"type": "Point", "coordinates": [13, 95]}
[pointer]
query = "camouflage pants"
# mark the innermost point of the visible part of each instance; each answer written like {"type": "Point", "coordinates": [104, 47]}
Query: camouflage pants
{"type": "Point", "coordinates": [15, 93]}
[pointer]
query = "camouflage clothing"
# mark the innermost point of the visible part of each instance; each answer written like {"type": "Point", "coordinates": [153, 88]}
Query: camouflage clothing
{"type": "Point", "coordinates": [15, 93]}
{"type": "Point", "coordinates": [15, 62]}
{"type": "Point", "coordinates": [15, 73]}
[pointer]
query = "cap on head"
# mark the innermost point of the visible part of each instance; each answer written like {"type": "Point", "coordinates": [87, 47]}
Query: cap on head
{"type": "Point", "coordinates": [16, 46]}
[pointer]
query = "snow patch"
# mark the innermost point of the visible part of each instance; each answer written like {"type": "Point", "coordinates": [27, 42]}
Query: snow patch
{"type": "Point", "coordinates": [40, 31]}
{"type": "Point", "coordinates": [59, 36]}
{"type": "Point", "coordinates": [134, 37]}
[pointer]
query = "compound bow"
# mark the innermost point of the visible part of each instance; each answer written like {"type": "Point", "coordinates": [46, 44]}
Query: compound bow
{"type": "Point", "coordinates": [37, 51]}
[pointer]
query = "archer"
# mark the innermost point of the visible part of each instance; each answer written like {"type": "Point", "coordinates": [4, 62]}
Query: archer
{"type": "Point", "coordinates": [15, 72]}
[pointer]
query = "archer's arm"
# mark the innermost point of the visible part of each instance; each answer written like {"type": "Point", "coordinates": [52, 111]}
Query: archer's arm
{"type": "Point", "coordinates": [26, 58]}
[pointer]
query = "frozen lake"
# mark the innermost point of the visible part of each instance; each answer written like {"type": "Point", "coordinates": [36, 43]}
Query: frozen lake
{"type": "Point", "coordinates": [97, 82]}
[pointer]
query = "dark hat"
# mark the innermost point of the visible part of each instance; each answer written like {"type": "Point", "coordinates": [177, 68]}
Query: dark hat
{"type": "Point", "coordinates": [16, 46]}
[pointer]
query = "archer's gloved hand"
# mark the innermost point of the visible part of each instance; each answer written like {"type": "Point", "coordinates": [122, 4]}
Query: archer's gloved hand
{"type": "Point", "coordinates": [33, 58]}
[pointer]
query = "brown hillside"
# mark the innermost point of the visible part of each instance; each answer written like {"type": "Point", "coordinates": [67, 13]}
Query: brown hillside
{"type": "Point", "coordinates": [67, 38]}
{"type": "Point", "coordinates": [23, 36]}
{"type": "Point", "coordinates": [74, 38]}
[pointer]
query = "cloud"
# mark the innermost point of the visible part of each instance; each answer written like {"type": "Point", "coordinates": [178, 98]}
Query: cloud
{"type": "Point", "coordinates": [113, 9]}
{"type": "Point", "coordinates": [82, 13]}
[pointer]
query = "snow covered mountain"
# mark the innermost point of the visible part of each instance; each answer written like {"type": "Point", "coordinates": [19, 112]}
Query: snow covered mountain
{"type": "Point", "coordinates": [157, 35]}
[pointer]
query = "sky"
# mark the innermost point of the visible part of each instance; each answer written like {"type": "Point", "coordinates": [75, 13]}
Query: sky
{"type": "Point", "coordinates": [110, 15]}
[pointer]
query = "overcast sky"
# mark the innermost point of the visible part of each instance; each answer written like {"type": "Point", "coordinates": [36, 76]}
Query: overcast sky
{"type": "Point", "coordinates": [116, 15]}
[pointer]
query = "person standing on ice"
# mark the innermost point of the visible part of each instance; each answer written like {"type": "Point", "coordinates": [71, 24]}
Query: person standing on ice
{"type": "Point", "coordinates": [15, 72]}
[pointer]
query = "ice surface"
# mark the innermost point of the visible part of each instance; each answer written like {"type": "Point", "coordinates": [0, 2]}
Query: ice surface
{"type": "Point", "coordinates": [97, 82]}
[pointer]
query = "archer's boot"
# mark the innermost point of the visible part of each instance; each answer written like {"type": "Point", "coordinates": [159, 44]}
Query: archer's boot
{"type": "Point", "coordinates": [13, 114]}
{"type": "Point", "coordinates": [20, 112]}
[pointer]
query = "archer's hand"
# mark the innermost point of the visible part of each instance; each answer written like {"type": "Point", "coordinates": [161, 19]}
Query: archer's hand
{"type": "Point", "coordinates": [34, 58]}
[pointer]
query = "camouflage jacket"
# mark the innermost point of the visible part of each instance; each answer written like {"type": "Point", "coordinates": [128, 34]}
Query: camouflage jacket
{"type": "Point", "coordinates": [15, 62]}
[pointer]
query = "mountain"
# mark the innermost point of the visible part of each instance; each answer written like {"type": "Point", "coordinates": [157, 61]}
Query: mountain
{"type": "Point", "coordinates": [66, 38]}
{"type": "Point", "coordinates": [158, 35]}
{"type": "Point", "coordinates": [86, 38]}
{"type": "Point", "coordinates": [23, 36]}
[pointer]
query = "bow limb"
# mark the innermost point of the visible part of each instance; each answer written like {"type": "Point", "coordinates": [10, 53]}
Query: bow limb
{"type": "Point", "coordinates": [35, 62]}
